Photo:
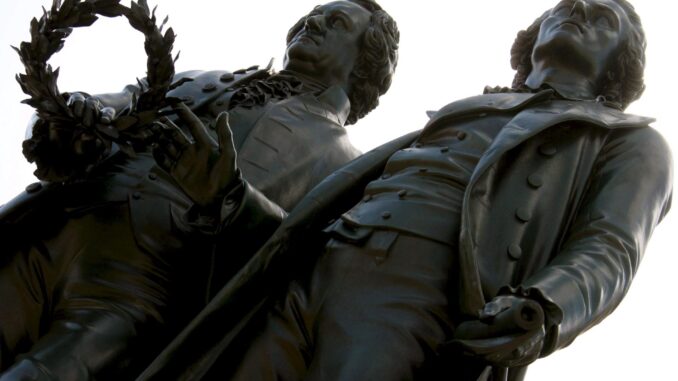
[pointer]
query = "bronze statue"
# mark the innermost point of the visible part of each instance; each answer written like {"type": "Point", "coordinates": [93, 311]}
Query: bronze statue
{"type": "Point", "coordinates": [100, 273]}
{"type": "Point", "coordinates": [513, 222]}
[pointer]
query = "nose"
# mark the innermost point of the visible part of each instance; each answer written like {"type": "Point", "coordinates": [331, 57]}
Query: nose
{"type": "Point", "coordinates": [315, 23]}
{"type": "Point", "coordinates": [580, 9]}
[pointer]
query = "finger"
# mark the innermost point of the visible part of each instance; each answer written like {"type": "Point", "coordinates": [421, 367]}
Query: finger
{"type": "Point", "coordinates": [225, 135]}
{"type": "Point", "coordinates": [174, 132]}
{"type": "Point", "coordinates": [496, 306]}
{"type": "Point", "coordinates": [195, 125]}
{"type": "Point", "coordinates": [77, 104]}
{"type": "Point", "coordinates": [170, 149]}
{"type": "Point", "coordinates": [107, 115]}
{"type": "Point", "coordinates": [162, 160]}
{"type": "Point", "coordinates": [90, 112]}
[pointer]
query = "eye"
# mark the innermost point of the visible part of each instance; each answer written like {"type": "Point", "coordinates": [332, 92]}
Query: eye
{"type": "Point", "coordinates": [337, 22]}
{"type": "Point", "coordinates": [604, 22]}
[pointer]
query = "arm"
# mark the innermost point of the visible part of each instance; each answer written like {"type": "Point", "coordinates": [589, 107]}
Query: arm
{"type": "Point", "coordinates": [628, 195]}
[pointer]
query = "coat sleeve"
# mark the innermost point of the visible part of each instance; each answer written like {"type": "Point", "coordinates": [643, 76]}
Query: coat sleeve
{"type": "Point", "coordinates": [629, 192]}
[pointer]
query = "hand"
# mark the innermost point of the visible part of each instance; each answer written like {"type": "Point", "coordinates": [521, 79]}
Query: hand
{"type": "Point", "coordinates": [509, 332]}
{"type": "Point", "coordinates": [92, 115]}
{"type": "Point", "coordinates": [64, 150]}
{"type": "Point", "coordinates": [206, 170]}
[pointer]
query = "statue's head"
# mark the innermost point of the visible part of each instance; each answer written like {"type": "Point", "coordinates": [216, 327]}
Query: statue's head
{"type": "Point", "coordinates": [351, 43]}
{"type": "Point", "coordinates": [602, 37]}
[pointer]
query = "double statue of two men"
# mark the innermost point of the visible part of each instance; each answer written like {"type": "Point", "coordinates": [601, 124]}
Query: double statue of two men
{"type": "Point", "coordinates": [513, 222]}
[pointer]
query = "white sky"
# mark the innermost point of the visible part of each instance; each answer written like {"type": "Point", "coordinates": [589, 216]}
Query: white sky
{"type": "Point", "coordinates": [449, 50]}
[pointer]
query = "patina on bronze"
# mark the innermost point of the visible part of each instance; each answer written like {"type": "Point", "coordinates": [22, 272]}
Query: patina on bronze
{"type": "Point", "coordinates": [98, 274]}
{"type": "Point", "coordinates": [513, 222]}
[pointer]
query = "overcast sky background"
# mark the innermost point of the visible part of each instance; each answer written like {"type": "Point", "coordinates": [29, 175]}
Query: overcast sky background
{"type": "Point", "coordinates": [449, 50]}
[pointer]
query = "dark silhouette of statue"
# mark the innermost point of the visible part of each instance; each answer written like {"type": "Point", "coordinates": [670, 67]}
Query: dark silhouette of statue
{"type": "Point", "coordinates": [98, 274]}
{"type": "Point", "coordinates": [513, 222]}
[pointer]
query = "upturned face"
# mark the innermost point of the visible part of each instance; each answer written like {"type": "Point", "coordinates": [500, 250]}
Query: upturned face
{"type": "Point", "coordinates": [583, 33]}
{"type": "Point", "coordinates": [327, 46]}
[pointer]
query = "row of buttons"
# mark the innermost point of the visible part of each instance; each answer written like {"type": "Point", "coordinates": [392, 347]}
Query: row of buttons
{"type": "Point", "coordinates": [461, 135]}
{"type": "Point", "coordinates": [225, 78]}
{"type": "Point", "coordinates": [523, 214]}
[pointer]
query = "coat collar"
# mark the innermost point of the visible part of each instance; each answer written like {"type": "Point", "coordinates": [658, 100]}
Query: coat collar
{"type": "Point", "coordinates": [542, 114]}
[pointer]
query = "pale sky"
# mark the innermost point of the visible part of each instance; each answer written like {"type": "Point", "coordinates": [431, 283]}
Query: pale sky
{"type": "Point", "coordinates": [449, 50]}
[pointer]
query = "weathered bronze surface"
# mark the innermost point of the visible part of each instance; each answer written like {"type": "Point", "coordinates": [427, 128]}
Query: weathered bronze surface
{"type": "Point", "coordinates": [99, 273]}
{"type": "Point", "coordinates": [513, 222]}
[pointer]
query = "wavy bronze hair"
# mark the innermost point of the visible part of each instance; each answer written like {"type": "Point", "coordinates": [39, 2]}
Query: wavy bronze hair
{"type": "Point", "coordinates": [624, 82]}
{"type": "Point", "coordinates": [373, 72]}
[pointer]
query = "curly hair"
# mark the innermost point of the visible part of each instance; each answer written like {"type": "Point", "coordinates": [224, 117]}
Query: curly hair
{"type": "Point", "coordinates": [624, 83]}
{"type": "Point", "coordinates": [373, 71]}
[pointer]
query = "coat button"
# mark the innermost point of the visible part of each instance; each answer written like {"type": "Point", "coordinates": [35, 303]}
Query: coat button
{"type": "Point", "coordinates": [423, 170]}
{"type": "Point", "coordinates": [445, 149]}
{"type": "Point", "coordinates": [152, 176]}
{"type": "Point", "coordinates": [33, 188]}
{"type": "Point", "coordinates": [209, 87]}
{"type": "Point", "coordinates": [515, 252]}
{"type": "Point", "coordinates": [136, 195]}
{"type": "Point", "coordinates": [461, 135]}
{"type": "Point", "coordinates": [226, 77]}
{"type": "Point", "coordinates": [385, 176]}
{"type": "Point", "coordinates": [386, 215]}
{"type": "Point", "coordinates": [535, 180]}
{"type": "Point", "coordinates": [255, 67]}
{"type": "Point", "coordinates": [241, 71]}
{"type": "Point", "coordinates": [402, 193]}
{"type": "Point", "coordinates": [548, 149]}
{"type": "Point", "coordinates": [523, 214]}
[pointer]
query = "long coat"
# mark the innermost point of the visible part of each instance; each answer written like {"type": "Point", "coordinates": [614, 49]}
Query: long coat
{"type": "Point", "coordinates": [106, 251]}
{"type": "Point", "coordinates": [559, 208]}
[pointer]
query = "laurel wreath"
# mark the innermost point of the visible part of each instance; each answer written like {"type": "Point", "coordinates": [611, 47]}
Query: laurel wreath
{"type": "Point", "coordinates": [63, 148]}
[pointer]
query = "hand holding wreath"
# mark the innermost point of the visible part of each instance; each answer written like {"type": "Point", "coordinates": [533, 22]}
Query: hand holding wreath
{"type": "Point", "coordinates": [74, 133]}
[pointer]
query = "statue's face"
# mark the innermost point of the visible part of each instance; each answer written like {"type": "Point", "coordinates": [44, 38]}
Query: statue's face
{"type": "Point", "coordinates": [589, 33]}
{"type": "Point", "coordinates": [329, 42]}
